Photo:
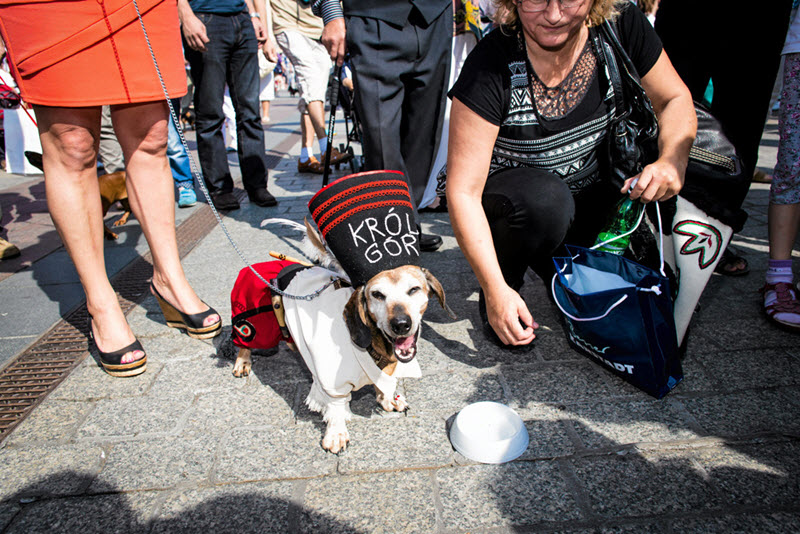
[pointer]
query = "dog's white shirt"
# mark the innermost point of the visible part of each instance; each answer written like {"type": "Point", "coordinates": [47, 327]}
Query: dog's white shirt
{"type": "Point", "coordinates": [338, 366]}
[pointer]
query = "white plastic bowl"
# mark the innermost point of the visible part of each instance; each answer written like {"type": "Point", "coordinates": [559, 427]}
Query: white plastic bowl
{"type": "Point", "coordinates": [489, 432]}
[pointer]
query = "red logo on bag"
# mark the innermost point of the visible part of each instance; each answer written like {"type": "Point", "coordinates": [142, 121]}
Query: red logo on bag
{"type": "Point", "coordinates": [704, 240]}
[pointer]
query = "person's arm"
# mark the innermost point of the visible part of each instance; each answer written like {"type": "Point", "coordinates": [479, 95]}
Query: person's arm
{"type": "Point", "coordinates": [269, 48]}
{"type": "Point", "coordinates": [677, 125]}
{"type": "Point", "coordinates": [194, 31]}
{"type": "Point", "coordinates": [347, 78]}
{"type": "Point", "coordinates": [255, 18]}
{"type": "Point", "coordinates": [334, 32]}
{"type": "Point", "coordinates": [469, 154]}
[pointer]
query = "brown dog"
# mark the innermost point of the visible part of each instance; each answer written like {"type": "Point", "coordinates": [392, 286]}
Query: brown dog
{"type": "Point", "coordinates": [187, 119]}
{"type": "Point", "coordinates": [380, 321]}
{"type": "Point", "coordinates": [350, 337]}
{"type": "Point", "coordinates": [113, 189]}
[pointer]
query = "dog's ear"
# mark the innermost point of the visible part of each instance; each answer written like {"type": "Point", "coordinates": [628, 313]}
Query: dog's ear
{"type": "Point", "coordinates": [436, 287]}
{"type": "Point", "coordinates": [356, 319]}
{"type": "Point", "coordinates": [315, 238]}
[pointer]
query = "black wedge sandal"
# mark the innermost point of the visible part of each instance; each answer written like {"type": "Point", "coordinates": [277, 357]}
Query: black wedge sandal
{"type": "Point", "coordinates": [112, 361]}
{"type": "Point", "coordinates": [193, 324]}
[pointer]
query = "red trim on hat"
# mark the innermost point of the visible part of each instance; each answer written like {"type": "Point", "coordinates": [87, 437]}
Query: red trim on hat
{"type": "Point", "coordinates": [356, 199]}
{"type": "Point", "coordinates": [357, 175]}
{"type": "Point", "coordinates": [342, 217]}
{"type": "Point", "coordinates": [356, 188]}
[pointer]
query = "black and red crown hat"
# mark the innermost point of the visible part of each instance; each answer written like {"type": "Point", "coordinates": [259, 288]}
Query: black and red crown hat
{"type": "Point", "coordinates": [368, 222]}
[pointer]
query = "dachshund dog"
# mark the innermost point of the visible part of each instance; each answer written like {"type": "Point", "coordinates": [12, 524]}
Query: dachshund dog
{"type": "Point", "coordinates": [187, 119]}
{"type": "Point", "coordinates": [113, 189]}
{"type": "Point", "coordinates": [350, 337]}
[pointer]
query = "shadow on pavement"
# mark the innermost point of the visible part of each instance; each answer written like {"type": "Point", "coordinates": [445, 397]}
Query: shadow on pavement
{"type": "Point", "coordinates": [237, 509]}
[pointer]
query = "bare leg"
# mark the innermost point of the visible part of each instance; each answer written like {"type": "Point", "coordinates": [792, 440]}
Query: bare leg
{"type": "Point", "coordinates": [783, 224]}
{"type": "Point", "coordinates": [307, 133]}
{"type": "Point", "coordinates": [316, 112]}
{"type": "Point", "coordinates": [70, 139]}
{"type": "Point", "coordinates": [142, 132]}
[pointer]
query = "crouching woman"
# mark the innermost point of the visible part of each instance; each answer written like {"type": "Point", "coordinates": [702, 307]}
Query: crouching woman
{"type": "Point", "coordinates": [531, 111]}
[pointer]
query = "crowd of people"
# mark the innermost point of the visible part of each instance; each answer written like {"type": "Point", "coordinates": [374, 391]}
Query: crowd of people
{"type": "Point", "coordinates": [496, 111]}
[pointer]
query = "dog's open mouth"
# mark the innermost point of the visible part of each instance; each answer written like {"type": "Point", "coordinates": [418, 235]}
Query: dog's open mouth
{"type": "Point", "coordinates": [405, 348]}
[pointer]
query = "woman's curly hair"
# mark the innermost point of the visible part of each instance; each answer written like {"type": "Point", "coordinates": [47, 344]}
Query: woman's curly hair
{"type": "Point", "coordinates": [602, 10]}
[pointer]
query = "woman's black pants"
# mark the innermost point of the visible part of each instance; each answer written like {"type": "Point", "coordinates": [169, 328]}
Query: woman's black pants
{"type": "Point", "coordinates": [532, 214]}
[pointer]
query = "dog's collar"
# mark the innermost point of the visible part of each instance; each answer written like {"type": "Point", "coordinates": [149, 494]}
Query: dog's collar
{"type": "Point", "coordinates": [378, 358]}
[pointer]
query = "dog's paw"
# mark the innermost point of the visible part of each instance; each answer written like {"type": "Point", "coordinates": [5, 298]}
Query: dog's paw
{"type": "Point", "coordinates": [386, 403]}
{"type": "Point", "coordinates": [399, 403]}
{"type": "Point", "coordinates": [396, 404]}
{"type": "Point", "coordinates": [242, 368]}
{"type": "Point", "coordinates": [336, 439]}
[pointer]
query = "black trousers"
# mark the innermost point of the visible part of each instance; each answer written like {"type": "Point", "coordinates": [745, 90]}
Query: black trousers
{"type": "Point", "coordinates": [400, 76]}
{"type": "Point", "coordinates": [737, 45]}
{"type": "Point", "coordinates": [532, 214]}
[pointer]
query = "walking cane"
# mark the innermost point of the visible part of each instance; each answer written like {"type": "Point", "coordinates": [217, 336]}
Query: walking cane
{"type": "Point", "coordinates": [337, 72]}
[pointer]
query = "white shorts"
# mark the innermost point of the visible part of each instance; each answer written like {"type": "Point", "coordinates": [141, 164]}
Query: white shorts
{"type": "Point", "coordinates": [266, 88]}
{"type": "Point", "coordinates": [312, 66]}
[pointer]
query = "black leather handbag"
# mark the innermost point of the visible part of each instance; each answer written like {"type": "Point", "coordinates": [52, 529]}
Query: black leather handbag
{"type": "Point", "coordinates": [715, 178]}
{"type": "Point", "coordinates": [632, 141]}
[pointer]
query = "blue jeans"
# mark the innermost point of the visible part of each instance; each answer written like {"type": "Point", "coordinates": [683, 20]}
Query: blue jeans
{"type": "Point", "coordinates": [176, 153]}
{"type": "Point", "coordinates": [230, 57]}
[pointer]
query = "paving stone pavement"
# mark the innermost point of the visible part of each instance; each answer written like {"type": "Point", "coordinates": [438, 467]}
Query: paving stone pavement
{"type": "Point", "coordinates": [187, 447]}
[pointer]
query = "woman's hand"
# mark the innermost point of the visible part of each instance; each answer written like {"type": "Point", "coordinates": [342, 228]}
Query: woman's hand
{"type": "Point", "coordinates": [509, 317]}
{"type": "Point", "coordinates": [658, 181]}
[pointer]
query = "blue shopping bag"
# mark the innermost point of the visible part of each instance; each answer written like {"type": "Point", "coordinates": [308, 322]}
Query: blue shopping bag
{"type": "Point", "coordinates": [620, 314]}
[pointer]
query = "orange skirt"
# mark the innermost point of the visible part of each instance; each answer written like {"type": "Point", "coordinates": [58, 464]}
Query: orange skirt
{"type": "Point", "coordinates": [76, 53]}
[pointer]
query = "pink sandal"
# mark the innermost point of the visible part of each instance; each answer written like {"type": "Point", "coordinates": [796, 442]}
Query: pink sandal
{"type": "Point", "coordinates": [781, 305]}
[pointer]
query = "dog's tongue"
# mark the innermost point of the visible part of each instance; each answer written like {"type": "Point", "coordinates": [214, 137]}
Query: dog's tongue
{"type": "Point", "coordinates": [404, 343]}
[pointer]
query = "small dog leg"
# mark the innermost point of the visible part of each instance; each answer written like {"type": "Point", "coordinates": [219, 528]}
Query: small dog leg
{"type": "Point", "coordinates": [336, 435]}
{"type": "Point", "coordinates": [243, 363]}
{"type": "Point", "coordinates": [122, 220]}
{"type": "Point", "coordinates": [109, 234]}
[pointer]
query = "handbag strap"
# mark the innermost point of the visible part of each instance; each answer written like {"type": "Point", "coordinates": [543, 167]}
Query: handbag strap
{"type": "Point", "coordinates": [607, 58]}
{"type": "Point", "coordinates": [618, 63]}
{"type": "Point", "coordinates": [608, 31]}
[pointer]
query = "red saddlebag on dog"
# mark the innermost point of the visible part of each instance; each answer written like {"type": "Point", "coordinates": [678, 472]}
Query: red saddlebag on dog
{"type": "Point", "coordinates": [253, 306]}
